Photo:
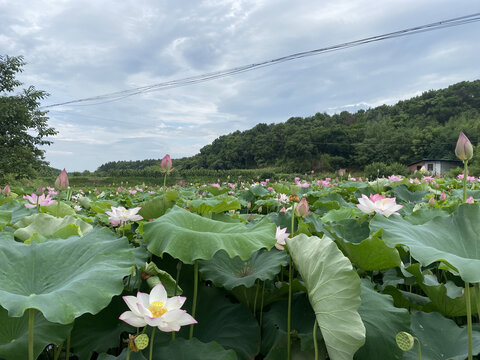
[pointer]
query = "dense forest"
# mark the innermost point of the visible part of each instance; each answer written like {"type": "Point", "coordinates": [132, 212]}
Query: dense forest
{"type": "Point", "coordinates": [426, 126]}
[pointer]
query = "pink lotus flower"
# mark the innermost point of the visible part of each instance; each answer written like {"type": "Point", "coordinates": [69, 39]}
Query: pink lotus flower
{"type": "Point", "coordinates": [41, 200]}
{"type": "Point", "coordinates": [443, 196]}
{"type": "Point", "coordinates": [383, 205]}
{"type": "Point", "coordinates": [216, 186]}
{"type": "Point", "coordinates": [395, 178]}
{"type": "Point", "coordinates": [132, 192]}
{"type": "Point", "coordinates": [62, 180]}
{"type": "Point", "coordinates": [464, 148]}
{"type": "Point", "coordinates": [156, 310]}
{"type": "Point", "coordinates": [302, 208]}
{"type": "Point", "coordinates": [6, 190]}
{"type": "Point", "coordinates": [120, 215]}
{"type": "Point", "coordinates": [470, 200]}
{"type": "Point", "coordinates": [166, 164]}
{"type": "Point", "coordinates": [281, 235]}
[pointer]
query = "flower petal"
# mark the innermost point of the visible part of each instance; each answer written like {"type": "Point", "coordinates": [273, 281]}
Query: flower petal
{"type": "Point", "coordinates": [130, 318]}
{"type": "Point", "coordinates": [158, 293]}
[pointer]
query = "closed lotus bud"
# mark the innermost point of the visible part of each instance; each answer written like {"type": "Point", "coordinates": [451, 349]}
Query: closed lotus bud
{"type": "Point", "coordinates": [6, 190]}
{"type": "Point", "coordinates": [166, 163]}
{"type": "Point", "coordinates": [62, 180]}
{"type": "Point", "coordinates": [152, 281]}
{"type": "Point", "coordinates": [464, 148]}
{"type": "Point", "coordinates": [431, 202]}
{"type": "Point", "coordinates": [302, 208]}
{"type": "Point", "coordinates": [443, 196]}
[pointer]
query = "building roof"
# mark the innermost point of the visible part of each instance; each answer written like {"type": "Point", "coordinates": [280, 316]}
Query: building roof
{"type": "Point", "coordinates": [444, 160]}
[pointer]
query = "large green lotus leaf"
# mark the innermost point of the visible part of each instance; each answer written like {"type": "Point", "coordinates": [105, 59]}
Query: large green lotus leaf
{"type": "Point", "coordinates": [229, 273]}
{"type": "Point", "coordinates": [14, 335]}
{"type": "Point", "coordinates": [274, 329]}
{"type": "Point", "coordinates": [64, 279]}
{"type": "Point", "coordinates": [18, 210]}
{"type": "Point", "coordinates": [334, 292]}
{"type": "Point", "coordinates": [59, 209]}
{"type": "Point", "coordinates": [424, 215]}
{"type": "Point", "coordinates": [259, 191]}
{"type": "Point", "coordinates": [182, 349]}
{"type": "Point", "coordinates": [368, 253]}
{"type": "Point", "coordinates": [474, 193]}
{"type": "Point", "coordinates": [154, 208]}
{"type": "Point", "coordinates": [100, 332]}
{"type": "Point", "coordinates": [342, 214]}
{"type": "Point", "coordinates": [49, 226]}
{"type": "Point", "coordinates": [123, 356]}
{"type": "Point", "coordinates": [5, 218]}
{"type": "Point", "coordinates": [406, 299]}
{"type": "Point", "coordinates": [189, 237]}
{"type": "Point", "coordinates": [231, 325]}
{"type": "Point", "coordinates": [441, 338]}
{"type": "Point", "coordinates": [447, 299]}
{"type": "Point", "coordinates": [402, 194]}
{"type": "Point", "coordinates": [216, 205]}
{"type": "Point", "coordinates": [383, 321]}
{"type": "Point", "coordinates": [453, 239]}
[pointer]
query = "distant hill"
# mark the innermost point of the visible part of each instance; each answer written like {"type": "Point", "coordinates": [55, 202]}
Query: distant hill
{"type": "Point", "coordinates": [426, 126]}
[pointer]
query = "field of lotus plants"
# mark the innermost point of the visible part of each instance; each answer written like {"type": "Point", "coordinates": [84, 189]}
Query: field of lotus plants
{"type": "Point", "coordinates": [311, 269]}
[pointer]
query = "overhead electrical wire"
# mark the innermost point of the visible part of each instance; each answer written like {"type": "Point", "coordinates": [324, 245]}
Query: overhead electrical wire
{"type": "Point", "coordinates": [115, 96]}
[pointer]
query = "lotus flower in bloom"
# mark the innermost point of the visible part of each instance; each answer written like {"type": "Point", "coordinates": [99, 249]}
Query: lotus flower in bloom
{"type": "Point", "coordinates": [302, 208]}
{"type": "Point", "coordinates": [464, 148]}
{"type": "Point", "coordinates": [281, 235]}
{"type": "Point", "coordinates": [120, 215]}
{"type": "Point", "coordinates": [41, 200]}
{"type": "Point", "coordinates": [379, 204]}
{"type": "Point", "coordinates": [470, 200]}
{"type": "Point", "coordinates": [157, 310]}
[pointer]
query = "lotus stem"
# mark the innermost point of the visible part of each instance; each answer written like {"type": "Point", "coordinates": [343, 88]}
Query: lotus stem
{"type": "Point", "coordinates": [128, 352]}
{"type": "Point", "coordinates": [465, 172]}
{"type": "Point", "coordinates": [290, 279]}
{"type": "Point", "coordinates": [289, 314]}
{"type": "Point", "coordinates": [255, 301]}
{"type": "Point", "coordinates": [477, 296]}
{"type": "Point", "coordinates": [246, 297]}
{"type": "Point", "coordinates": [195, 291]}
{"type": "Point", "coordinates": [469, 320]}
{"type": "Point", "coordinates": [261, 304]}
{"type": "Point", "coordinates": [58, 351]}
{"type": "Point", "coordinates": [419, 349]}
{"type": "Point", "coordinates": [67, 348]}
{"type": "Point", "coordinates": [151, 344]}
{"type": "Point", "coordinates": [31, 320]}
{"type": "Point", "coordinates": [315, 345]}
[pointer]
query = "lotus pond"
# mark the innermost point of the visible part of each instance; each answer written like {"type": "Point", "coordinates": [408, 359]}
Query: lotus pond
{"type": "Point", "coordinates": [312, 269]}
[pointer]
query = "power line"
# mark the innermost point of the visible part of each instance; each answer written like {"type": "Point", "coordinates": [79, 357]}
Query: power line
{"type": "Point", "coordinates": [115, 96]}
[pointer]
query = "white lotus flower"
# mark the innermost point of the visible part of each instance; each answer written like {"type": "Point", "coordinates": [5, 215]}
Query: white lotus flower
{"type": "Point", "coordinates": [379, 204]}
{"type": "Point", "coordinates": [120, 215]}
{"type": "Point", "coordinates": [156, 310]}
{"type": "Point", "coordinates": [281, 235]}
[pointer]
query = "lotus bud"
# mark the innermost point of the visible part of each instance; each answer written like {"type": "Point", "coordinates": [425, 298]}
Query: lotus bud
{"type": "Point", "coordinates": [6, 190]}
{"type": "Point", "coordinates": [431, 202]}
{"type": "Point", "coordinates": [443, 196]}
{"type": "Point", "coordinates": [470, 200]}
{"type": "Point", "coordinates": [152, 281]}
{"type": "Point", "coordinates": [166, 164]}
{"type": "Point", "coordinates": [302, 208]}
{"type": "Point", "coordinates": [464, 148]}
{"type": "Point", "coordinates": [62, 180]}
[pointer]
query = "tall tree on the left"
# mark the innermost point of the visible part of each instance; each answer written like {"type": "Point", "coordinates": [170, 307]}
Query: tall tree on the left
{"type": "Point", "coordinates": [23, 127]}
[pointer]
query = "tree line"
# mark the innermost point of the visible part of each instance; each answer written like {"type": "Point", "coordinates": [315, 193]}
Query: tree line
{"type": "Point", "coordinates": [426, 126]}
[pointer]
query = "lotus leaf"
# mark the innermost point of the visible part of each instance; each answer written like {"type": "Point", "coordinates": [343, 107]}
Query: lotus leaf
{"type": "Point", "coordinates": [189, 237]}
{"type": "Point", "coordinates": [64, 279]}
{"type": "Point", "coordinates": [334, 292]}
{"type": "Point", "coordinates": [452, 239]}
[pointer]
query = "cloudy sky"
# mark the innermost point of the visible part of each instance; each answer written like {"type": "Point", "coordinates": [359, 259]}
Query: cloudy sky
{"type": "Point", "coordinates": [79, 49]}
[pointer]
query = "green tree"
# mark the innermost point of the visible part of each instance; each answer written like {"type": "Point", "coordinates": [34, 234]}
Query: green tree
{"type": "Point", "coordinates": [23, 127]}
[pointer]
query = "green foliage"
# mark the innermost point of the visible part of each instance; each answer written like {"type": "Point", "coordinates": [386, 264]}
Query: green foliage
{"type": "Point", "coordinates": [23, 127]}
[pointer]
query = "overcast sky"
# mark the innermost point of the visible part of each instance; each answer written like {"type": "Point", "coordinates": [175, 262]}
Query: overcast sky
{"type": "Point", "coordinates": [79, 49]}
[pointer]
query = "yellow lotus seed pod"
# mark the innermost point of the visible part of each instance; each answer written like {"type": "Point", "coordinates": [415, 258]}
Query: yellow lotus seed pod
{"type": "Point", "coordinates": [404, 341]}
{"type": "Point", "coordinates": [141, 341]}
